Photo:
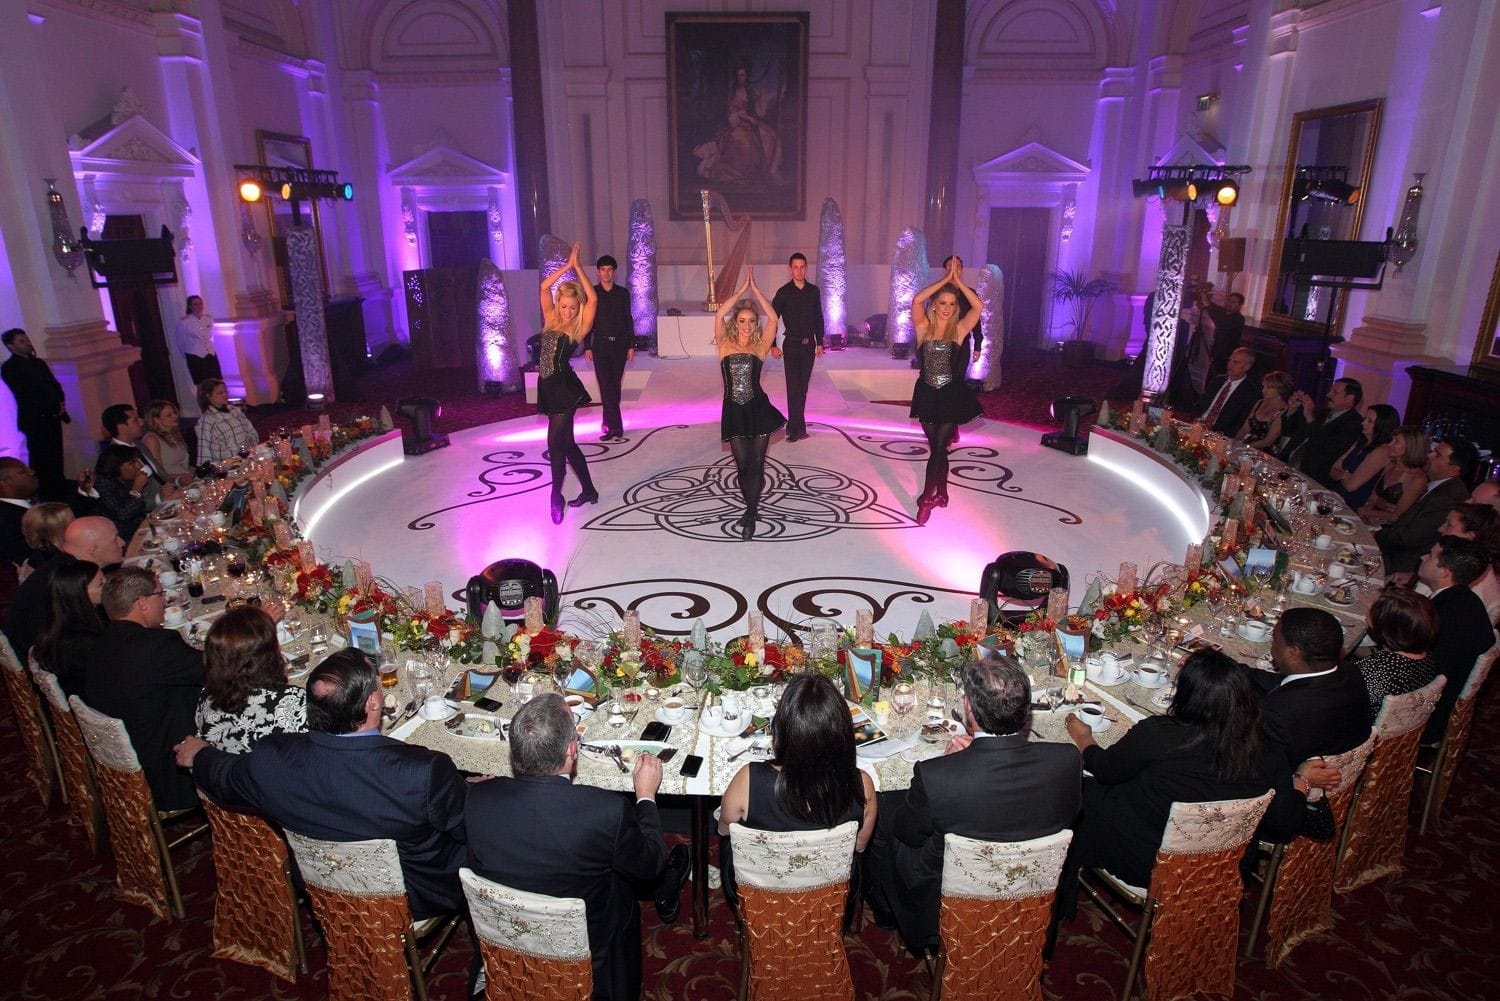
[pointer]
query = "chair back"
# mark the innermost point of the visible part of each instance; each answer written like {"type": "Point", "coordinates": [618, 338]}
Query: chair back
{"type": "Point", "coordinates": [997, 900]}
{"type": "Point", "coordinates": [1374, 838]}
{"type": "Point", "coordinates": [1455, 739]}
{"type": "Point", "coordinates": [73, 757]}
{"type": "Point", "coordinates": [255, 909]}
{"type": "Point", "coordinates": [534, 946]}
{"type": "Point", "coordinates": [141, 862]}
{"type": "Point", "coordinates": [360, 899]}
{"type": "Point", "coordinates": [8, 653]}
{"type": "Point", "coordinates": [1196, 887]}
{"type": "Point", "coordinates": [36, 736]}
{"type": "Point", "coordinates": [792, 886]}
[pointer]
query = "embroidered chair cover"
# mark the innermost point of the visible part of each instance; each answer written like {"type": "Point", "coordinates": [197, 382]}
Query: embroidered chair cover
{"type": "Point", "coordinates": [1450, 749]}
{"type": "Point", "coordinates": [1374, 838]}
{"type": "Point", "coordinates": [792, 886]}
{"type": "Point", "coordinates": [535, 947]}
{"type": "Point", "coordinates": [36, 736]}
{"type": "Point", "coordinates": [77, 770]}
{"type": "Point", "coordinates": [997, 900]}
{"type": "Point", "coordinates": [143, 868]}
{"type": "Point", "coordinates": [1298, 892]}
{"type": "Point", "coordinates": [255, 909]}
{"type": "Point", "coordinates": [359, 898]}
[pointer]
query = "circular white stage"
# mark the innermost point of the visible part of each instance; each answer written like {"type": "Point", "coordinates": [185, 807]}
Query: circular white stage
{"type": "Point", "coordinates": [836, 530]}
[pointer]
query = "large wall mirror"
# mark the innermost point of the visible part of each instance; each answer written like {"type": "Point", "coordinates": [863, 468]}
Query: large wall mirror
{"type": "Point", "coordinates": [1329, 157]}
{"type": "Point", "coordinates": [277, 149]}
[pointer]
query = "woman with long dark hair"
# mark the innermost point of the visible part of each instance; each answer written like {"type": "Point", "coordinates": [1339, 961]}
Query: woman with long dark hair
{"type": "Point", "coordinates": [1404, 626]}
{"type": "Point", "coordinates": [811, 782]}
{"type": "Point", "coordinates": [72, 623]}
{"type": "Point", "coordinates": [748, 418]}
{"type": "Point", "coordinates": [941, 399]}
{"type": "Point", "coordinates": [559, 391]}
{"type": "Point", "coordinates": [245, 691]}
{"type": "Point", "coordinates": [1358, 470]}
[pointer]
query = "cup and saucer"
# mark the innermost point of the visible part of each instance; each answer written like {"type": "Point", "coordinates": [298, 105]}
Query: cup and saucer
{"type": "Point", "coordinates": [1105, 671]}
{"type": "Point", "coordinates": [1093, 716]}
{"type": "Point", "coordinates": [672, 711]}
{"type": "Point", "coordinates": [1255, 631]}
{"type": "Point", "coordinates": [436, 709]}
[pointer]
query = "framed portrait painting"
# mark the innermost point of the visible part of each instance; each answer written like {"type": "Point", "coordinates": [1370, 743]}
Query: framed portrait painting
{"type": "Point", "coordinates": [1487, 347]}
{"type": "Point", "coordinates": [737, 104]}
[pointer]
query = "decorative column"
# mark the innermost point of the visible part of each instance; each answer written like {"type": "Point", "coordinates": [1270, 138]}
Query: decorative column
{"type": "Point", "coordinates": [1105, 198]}
{"type": "Point", "coordinates": [307, 297]}
{"type": "Point", "coordinates": [1171, 270]}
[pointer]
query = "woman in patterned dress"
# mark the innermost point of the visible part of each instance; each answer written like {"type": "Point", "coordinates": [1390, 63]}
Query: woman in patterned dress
{"type": "Point", "coordinates": [941, 399]}
{"type": "Point", "coordinates": [559, 392]}
{"type": "Point", "coordinates": [245, 692]}
{"type": "Point", "coordinates": [748, 417]}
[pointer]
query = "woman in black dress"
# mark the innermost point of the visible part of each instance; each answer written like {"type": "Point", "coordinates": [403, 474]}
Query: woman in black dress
{"type": "Point", "coordinates": [559, 393]}
{"type": "Point", "coordinates": [941, 399]}
{"type": "Point", "coordinates": [748, 418]}
{"type": "Point", "coordinates": [1404, 626]}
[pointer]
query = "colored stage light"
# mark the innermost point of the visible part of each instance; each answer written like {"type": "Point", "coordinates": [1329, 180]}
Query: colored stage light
{"type": "Point", "coordinates": [250, 190]}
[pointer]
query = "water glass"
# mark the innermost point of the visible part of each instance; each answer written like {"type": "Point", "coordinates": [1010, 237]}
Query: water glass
{"type": "Point", "coordinates": [903, 699]}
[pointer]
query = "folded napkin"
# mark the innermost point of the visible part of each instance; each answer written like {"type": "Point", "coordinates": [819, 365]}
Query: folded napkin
{"type": "Point", "coordinates": [881, 749]}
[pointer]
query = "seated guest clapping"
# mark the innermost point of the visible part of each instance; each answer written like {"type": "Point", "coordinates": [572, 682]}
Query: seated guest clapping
{"type": "Point", "coordinates": [993, 784]}
{"type": "Point", "coordinates": [542, 833]}
{"type": "Point", "coordinates": [1404, 626]}
{"type": "Point", "coordinates": [245, 691]}
{"type": "Point", "coordinates": [72, 624]}
{"type": "Point", "coordinates": [121, 478]}
{"type": "Point", "coordinates": [345, 781]}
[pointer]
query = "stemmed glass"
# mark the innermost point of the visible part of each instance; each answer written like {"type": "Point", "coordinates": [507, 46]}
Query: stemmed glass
{"type": "Point", "coordinates": [695, 672]}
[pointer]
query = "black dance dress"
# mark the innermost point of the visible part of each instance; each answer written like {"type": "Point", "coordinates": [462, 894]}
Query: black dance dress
{"type": "Point", "coordinates": [558, 388]}
{"type": "Point", "coordinates": [748, 411]}
{"type": "Point", "coordinates": [941, 396]}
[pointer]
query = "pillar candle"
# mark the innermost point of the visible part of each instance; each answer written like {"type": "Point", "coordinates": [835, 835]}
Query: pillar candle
{"type": "Point", "coordinates": [258, 488]}
{"type": "Point", "coordinates": [1138, 408]}
{"type": "Point", "coordinates": [305, 556]}
{"type": "Point", "coordinates": [979, 616]}
{"type": "Point", "coordinates": [864, 628]}
{"type": "Point", "coordinates": [1127, 579]}
{"type": "Point", "coordinates": [255, 507]}
{"type": "Point", "coordinates": [307, 433]}
{"type": "Point", "coordinates": [1195, 434]}
{"type": "Point", "coordinates": [283, 535]}
{"type": "Point", "coordinates": [630, 632]}
{"type": "Point", "coordinates": [1247, 467]}
{"type": "Point", "coordinates": [363, 575]}
{"type": "Point", "coordinates": [757, 633]}
{"type": "Point", "coordinates": [1194, 559]}
{"type": "Point", "coordinates": [325, 423]}
{"type": "Point", "coordinates": [533, 612]}
{"type": "Point", "coordinates": [1231, 531]}
{"type": "Point", "coordinates": [1057, 604]}
{"type": "Point", "coordinates": [432, 592]}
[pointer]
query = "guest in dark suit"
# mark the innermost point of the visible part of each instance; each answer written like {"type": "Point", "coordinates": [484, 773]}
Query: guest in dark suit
{"type": "Point", "coordinates": [91, 539]}
{"type": "Point", "coordinates": [1228, 401]}
{"type": "Point", "coordinates": [610, 346]}
{"type": "Point", "coordinates": [1464, 630]}
{"type": "Point", "coordinates": [41, 409]}
{"type": "Point", "coordinates": [1229, 328]}
{"type": "Point", "coordinates": [993, 784]}
{"type": "Point", "coordinates": [541, 833]}
{"type": "Point", "coordinates": [18, 483]}
{"type": "Point", "coordinates": [1317, 444]}
{"type": "Point", "coordinates": [1313, 704]}
{"type": "Point", "coordinates": [345, 781]}
{"type": "Point", "coordinates": [43, 526]}
{"type": "Point", "coordinates": [1407, 539]}
{"type": "Point", "coordinates": [148, 678]}
{"type": "Point", "coordinates": [120, 477]}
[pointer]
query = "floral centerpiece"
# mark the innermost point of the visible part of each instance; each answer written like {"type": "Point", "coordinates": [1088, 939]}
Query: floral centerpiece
{"type": "Point", "coordinates": [735, 667]}
{"type": "Point", "coordinates": [1121, 613]}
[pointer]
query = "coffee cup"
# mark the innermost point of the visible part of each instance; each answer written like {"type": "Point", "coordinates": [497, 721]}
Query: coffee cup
{"type": "Point", "coordinates": [1151, 674]}
{"type": "Point", "coordinates": [172, 544]}
{"type": "Point", "coordinates": [1304, 583]}
{"type": "Point", "coordinates": [1324, 541]}
{"type": "Point", "coordinates": [575, 704]}
{"type": "Point", "coordinates": [1093, 716]}
{"type": "Point", "coordinates": [1255, 630]}
{"type": "Point", "coordinates": [174, 616]}
{"type": "Point", "coordinates": [1337, 571]}
{"type": "Point", "coordinates": [673, 710]}
{"type": "Point", "coordinates": [436, 707]}
{"type": "Point", "coordinates": [1103, 670]}
{"type": "Point", "coordinates": [168, 578]}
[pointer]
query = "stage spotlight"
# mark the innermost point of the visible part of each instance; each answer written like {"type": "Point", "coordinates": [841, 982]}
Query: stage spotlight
{"type": "Point", "coordinates": [1146, 189]}
{"type": "Point", "coordinates": [508, 583]}
{"type": "Point", "coordinates": [250, 190]}
{"type": "Point", "coordinates": [1227, 191]}
{"type": "Point", "coordinates": [421, 411]}
{"type": "Point", "coordinates": [1070, 410]}
{"type": "Point", "coordinates": [1022, 578]}
{"type": "Point", "coordinates": [315, 401]}
{"type": "Point", "coordinates": [875, 327]}
{"type": "Point", "coordinates": [1179, 190]}
{"type": "Point", "coordinates": [346, 191]}
{"type": "Point", "coordinates": [286, 191]}
{"type": "Point", "coordinates": [1333, 190]}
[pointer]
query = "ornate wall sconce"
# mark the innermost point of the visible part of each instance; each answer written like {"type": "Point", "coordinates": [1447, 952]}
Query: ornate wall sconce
{"type": "Point", "coordinates": [67, 251]}
{"type": "Point", "coordinates": [1404, 240]}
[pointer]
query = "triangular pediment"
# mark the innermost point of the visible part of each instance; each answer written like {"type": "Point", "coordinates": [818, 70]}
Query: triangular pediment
{"type": "Point", "coordinates": [134, 146]}
{"type": "Point", "coordinates": [444, 166]}
{"type": "Point", "coordinates": [1189, 152]}
{"type": "Point", "coordinates": [1032, 158]}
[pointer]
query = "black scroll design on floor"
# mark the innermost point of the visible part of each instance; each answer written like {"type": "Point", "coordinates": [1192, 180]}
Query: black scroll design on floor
{"type": "Point", "coordinates": [973, 467]}
{"type": "Point", "coordinates": [513, 470]}
{"type": "Point", "coordinates": [667, 605]}
{"type": "Point", "coordinates": [812, 598]}
{"type": "Point", "coordinates": [702, 502]}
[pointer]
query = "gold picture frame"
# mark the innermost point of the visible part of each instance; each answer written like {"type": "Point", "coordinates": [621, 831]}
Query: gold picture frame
{"type": "Point", "coordinates": [1487, 344]}
{"type": "Point", "coordinates": [281, 149]}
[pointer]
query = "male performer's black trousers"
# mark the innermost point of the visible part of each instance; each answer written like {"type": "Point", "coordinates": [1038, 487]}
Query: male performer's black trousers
{"type": "Point", "coordinates": [202, 367]}
{"type": "Point", "coordinates": [609, 368]}
{"type": "Point", "coordinates": [797, 358]}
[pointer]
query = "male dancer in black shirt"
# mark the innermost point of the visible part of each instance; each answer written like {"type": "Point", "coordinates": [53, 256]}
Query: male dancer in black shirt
{"type": "Point", "coordinates": [801, 307]}
{"type": "Point", "coordinates": [610, 345]}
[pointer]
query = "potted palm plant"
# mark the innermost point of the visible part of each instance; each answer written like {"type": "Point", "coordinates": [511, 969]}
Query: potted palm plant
{"type": "Point", "coordinates": [1079, 293]}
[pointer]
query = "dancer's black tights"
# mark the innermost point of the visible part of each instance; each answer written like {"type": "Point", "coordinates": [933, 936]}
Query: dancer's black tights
{"type": "Point", "coordinates": [563, 451]}
{"type": "Point", "coordinates": [750, 463]}
{"type": "Point", "coordinates": [938, 438]}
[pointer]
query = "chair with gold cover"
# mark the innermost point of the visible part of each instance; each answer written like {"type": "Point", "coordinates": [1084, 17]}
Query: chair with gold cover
{"type": "Point", "coordinates": [535, 947]}
{"type": "Point", "coordinates": [375, 950]}
{"type": "Point", "coordinates": [82, 794]}
{"type": "Point", "coordinates": [143, 859]}
{"type": "Point", "coordinates": [42, 765]}
{"type": "Point", "coordinates": [1296, 899]}
{"type": "Point", "coordinates": [1189, 923]}
{"type": "Point", "coordinates": [997, 900]}
{"type": "Point", "coordinates": [1450, 750]}
{"type": "Point", "coordinates": [1374, 837]}
{"type": "Point", "coordinates": [256, 920]}
{"type": "Point", "coordinates": [792, 886]}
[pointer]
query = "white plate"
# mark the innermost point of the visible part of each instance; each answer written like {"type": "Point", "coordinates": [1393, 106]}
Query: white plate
{"type": "Point", "coordinates": [1163, 698]}
{"type": "Point", "coordinates": [469, 731]}
{"type": "Point", "coordinates": [661, 717]}
{"type": "Point", "coordinates": [1299, 593]}
{"type": "Point", "coordinates": [1240, 629]}
{"type": "Point", "coordinates": [725, 729]}
{"type": "Point", "coordinates": [628, 749]}
{"type": "Point", "coordinates": [1111, 684]}
{"type": "Point", "coordinates": [448, 712]}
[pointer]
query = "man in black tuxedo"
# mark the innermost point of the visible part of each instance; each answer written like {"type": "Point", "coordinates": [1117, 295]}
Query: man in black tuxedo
{"type": "Point", "coordinates": [799, 305]}
{"type": "Point", "coordinates": [993, 784]}
{"type": "Point", "coordinates": [123, 426]}
{"type": "Point", "coordinates": [345, 781]}
{"type": "Point", "coordinates": [1228, 401]}
{"type": "Point", "coordinates": [1407, 539]}
{"type": "Point", "coordinates": [18, 484]}
{"type": "Point", "coordinates": [91, 538]}
{"type": "Point", "coordinates": [1313, 704]}
{"type": "Point", "coordinates": [541, 833]}
{"type": "Point", "coordinates": [147, 677]}
{"type": "Point", "coordinates": [1319, 443]}
{"type": "Point", "coordinates": [41, 409]}
{"type": "Point", "coordinates": [1464, 630]}
{"type": "Point", "coordinates": [1229, 328]}
{"type": "Point", "coordinates": [610, 346]}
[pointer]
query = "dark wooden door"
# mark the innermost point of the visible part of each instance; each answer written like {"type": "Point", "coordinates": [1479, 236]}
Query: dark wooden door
{"type": "Point", "coordinates": [457, 239]}
{"type": "Point", "coordinates": [1018, 244]}
{"type": "Point", "coordinates": [139, 322]}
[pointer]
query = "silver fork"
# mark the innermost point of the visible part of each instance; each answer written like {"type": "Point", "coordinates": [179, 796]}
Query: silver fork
{"type": "Point", "coordinates": [614, 752]}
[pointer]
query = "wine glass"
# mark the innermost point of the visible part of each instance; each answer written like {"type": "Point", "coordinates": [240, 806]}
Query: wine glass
{"type": "Point", "coordinates": [903, 699]}
{"type": "Point", "coordinates": [694, 671]}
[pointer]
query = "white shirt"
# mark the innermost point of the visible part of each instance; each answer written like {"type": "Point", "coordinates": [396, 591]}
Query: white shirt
{"type": "Point", "coordinates": [1312, 674]}
{"type": "Point", "coordinates": [195, 335]}
{"type": "Point", "coordinates": [1435, 484]}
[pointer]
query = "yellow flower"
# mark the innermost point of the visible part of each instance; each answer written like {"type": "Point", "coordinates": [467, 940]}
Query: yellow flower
{"type": "Point", "coordinates": [750, 659]}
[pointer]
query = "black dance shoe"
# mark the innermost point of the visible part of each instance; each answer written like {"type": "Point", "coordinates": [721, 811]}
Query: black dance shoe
{"type": "Point", "coordinates": [941, 498]}
{"type": "Point", "coordinates": [587, 497]}
{"type": "Point", "coordinates": [557, 507]}
{"type": "Point", "coordinates": [925, 504]}
{"type": "Point", "coordinates": [747, 526]}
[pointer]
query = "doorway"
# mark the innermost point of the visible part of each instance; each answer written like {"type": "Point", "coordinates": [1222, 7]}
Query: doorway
{"type": "Point", "coordinates": [1019, 245]}
{"type": "Point", "coordinates": [138, 321]}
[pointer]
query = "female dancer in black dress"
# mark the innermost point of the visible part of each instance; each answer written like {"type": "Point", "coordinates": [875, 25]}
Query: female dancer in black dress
{"type": "Point", "coordinates": [559, 393]}
{"type": "Point", "coordinates": [749, 417]}
{"type": "Point", "coordinates": [941, 399]}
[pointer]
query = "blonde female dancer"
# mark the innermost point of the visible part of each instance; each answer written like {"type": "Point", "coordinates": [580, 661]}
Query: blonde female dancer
{"type": "Point", "coordinates": [559, 393]}
{"type": "Point", "coordinates": [941, 399]}
{"type": "Point", "coordinates": [749, 418]}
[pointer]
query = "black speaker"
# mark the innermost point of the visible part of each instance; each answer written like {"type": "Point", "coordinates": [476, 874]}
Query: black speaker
{"type": "Point", "coordinates": [1232, 254]}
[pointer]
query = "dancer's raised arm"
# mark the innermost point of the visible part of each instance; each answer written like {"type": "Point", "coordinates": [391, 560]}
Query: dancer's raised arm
{"type": "Point", "coordinates": [969, 320]}
{"type": "Point", "coordinates": [549, 307]}
{"type": "Point", "coordinates": [765, 307]}
{"type": "Point", "coordinates": [727, 309]}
